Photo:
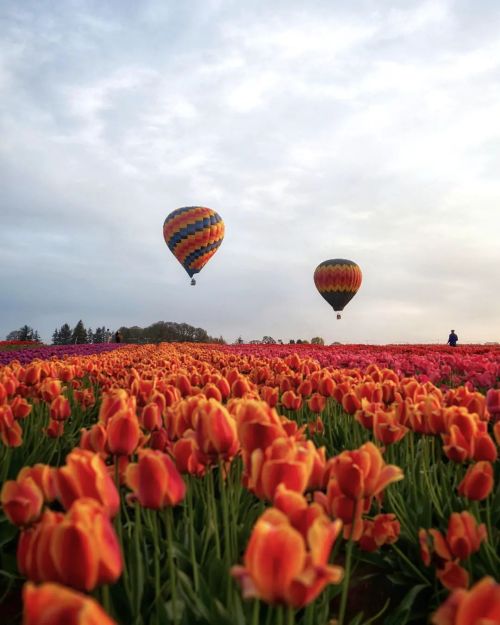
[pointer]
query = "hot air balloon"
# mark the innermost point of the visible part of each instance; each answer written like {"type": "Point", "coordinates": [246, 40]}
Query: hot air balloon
{"type": "Point", "coordinates": [337, 280]}
{"type": "Point", "coordinates": [193, 235]}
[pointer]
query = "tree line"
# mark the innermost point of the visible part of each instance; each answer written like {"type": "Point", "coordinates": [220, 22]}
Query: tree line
{"type": "Point", "coordinates": [167, 331]}
{"type": "Point", "coordinates": [161, 331]}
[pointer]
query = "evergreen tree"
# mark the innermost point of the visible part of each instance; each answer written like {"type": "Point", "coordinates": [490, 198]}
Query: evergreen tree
{"type": "Point", "coordinates": [13, 336]}
{"type": "Point", "coordinates": [90, 336]}
{"type": "Point", "coordinates": [79, 334]}
{"type": "Point", "coordinates": [99, 335]}
{"type": "Point", "coordinates": [56, 340]}
{"type": "Point", "coordinates": [26, 333]}
{"type": "Point", "coordinates": [36, 336]}
{"type": "Point", "coordinates": [64, 335]}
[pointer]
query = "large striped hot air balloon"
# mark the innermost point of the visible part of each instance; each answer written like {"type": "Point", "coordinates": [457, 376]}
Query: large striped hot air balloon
{"type": "Point", "coordinates": [193, 235]}
{"type": "Point", "coordinates": [337, 280]}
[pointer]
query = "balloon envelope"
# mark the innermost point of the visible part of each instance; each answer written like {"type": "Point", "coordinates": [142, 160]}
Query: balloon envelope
{"type": "Point", "coordinates": [193, 235]}
{"type": "Point", "coordinates": [337, 280]}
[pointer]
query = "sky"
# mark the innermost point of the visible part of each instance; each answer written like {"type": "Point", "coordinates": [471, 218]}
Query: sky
{"type": "Point", "coordinates": [359, 129]}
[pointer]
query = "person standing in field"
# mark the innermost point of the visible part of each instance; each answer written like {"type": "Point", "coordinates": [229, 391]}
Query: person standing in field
{"type": "Point", "coordinates": [118, 337]}
{"type": "Point", "coordinates": [452, 339]}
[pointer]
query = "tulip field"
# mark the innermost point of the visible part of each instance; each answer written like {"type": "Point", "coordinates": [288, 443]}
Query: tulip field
{"type": "Point", "coordinates": [194, 484]}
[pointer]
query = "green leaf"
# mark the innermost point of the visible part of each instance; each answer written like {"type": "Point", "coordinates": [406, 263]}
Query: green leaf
{"type": "Point", "coordinates": [402, 613]}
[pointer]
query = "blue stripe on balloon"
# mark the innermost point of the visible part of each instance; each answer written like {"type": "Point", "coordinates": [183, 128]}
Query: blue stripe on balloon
{"type": "Point", "coordinates": [195, 255]}
{"type": "Point", "coordinates": [192, 229]}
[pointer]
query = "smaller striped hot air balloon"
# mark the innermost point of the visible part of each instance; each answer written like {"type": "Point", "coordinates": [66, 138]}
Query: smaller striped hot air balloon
{"type": "Point", "coordinates": [338, 281]}
{"type": "Point", "coordinates": [193, 234]}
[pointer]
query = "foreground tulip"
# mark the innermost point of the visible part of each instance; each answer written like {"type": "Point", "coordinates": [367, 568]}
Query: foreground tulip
{"type": "Point", "coordinates": [155, 480]}
{"type": "Point", "coordinates": [79, 549]}
{"type": "Point", "coordinates": [281, 566]}
{"type": "Point", "coordinates": [478, 606]}
{"type": "Point", "coordinates": [44, 477]}
{"type": "Point", "coordinates": [53, 604]}
{"type": "Point", "coordinates": [363, 473]}
{"type": "Point", "coordinates": [22, 501]}
{"type": "Point", "coordinates": [478, 481]}
{"type": "Point", "coordinates": [85, 475]}
{"type": "Point", "coordinates": [123, 433]}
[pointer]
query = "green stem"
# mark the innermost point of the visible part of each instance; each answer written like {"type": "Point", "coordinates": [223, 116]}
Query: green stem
{"type": "Point", "coordinates": [255, 612]}
{"type": "Point", "coordinates": [215, 522]}
{"type": "Point", "coordinates": [279, 615]}
{"type": "Point", "coordinates": [106, 599]}
{"type": "Point", "coordinates": [410, 564]}
{"type": "Point", "coordinates": [290, 615]}
{"type": "Point", "coordinates": [171, 563]}
{"type": "Point", "coordinates": [347, 575]}
{"type": "Point", "coordinates": [192, 550]}
{"type": "Point", "coordinates": [138, 558]}
{"type": "Point", "coordinates": [156, 558]}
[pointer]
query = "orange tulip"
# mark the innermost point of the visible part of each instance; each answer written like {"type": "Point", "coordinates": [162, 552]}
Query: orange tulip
{"type": "Point", "coordinates": [123, 433]}
{"type": "Point", "coordinates": [363, 473]}
{"type": "Point", "coordinates": [452, 575]}
{"type": "Point", "coordinates": [282, 566]}
{"type": "Point", "coordinates": [186, 454]}
{"type": "Point", "coordinates": [32, 374]}
{"type": "Point", "coordinates": [20, 408]}
{"type": "Point", "coordinates": [22, 501]}
{"type": "Point", "coordinates": [44, 477]}
{"type": "Point", "coordinates": [95, 439]}
{"type": "Point", "coordinates": [464, 535]}
{"type": "Point", "coordinates": [85, 475]}
{"type": "Point", "coordinates": [291, 401]}
{"type": "Point", "coordinates": [257, 424]}
{"type": "Point", "coordinates": [316, 403]}
{"type": "Point", "coordinates": [215, 431]}
{"type": "Point", "coordinates": [53, 604]}
{"type": "Point", "coordinates": [478, 606]}
{"type": "Point", "coordinates": [60, 409]}
{"type": "Point", "coordinates": [113, 402]}
{"type": "Point", "coordinates": [11, 432]}
{"type": "Point", "coordinates": [386, 427]}
{"type": "Point", "coordinates": [478, 481]}
{"type": "Point", "coordinates": [285, 461]}
{"type": "Point", "coordinates": [79, 549]}
{"type": "Point", "coordinates": [350, 402]}
{"type": "Point", "coordinates": [383, 530]}
{"type": "Point", "coordinates": [151, 417]}
{"type": "Point", "coordinates": [155, 480]}
{"type": "Point", "coordinates": [50, 389]}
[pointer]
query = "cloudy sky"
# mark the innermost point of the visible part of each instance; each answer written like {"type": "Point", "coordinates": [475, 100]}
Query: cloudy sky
{"type": "Point", "coordinates": [360, 129]}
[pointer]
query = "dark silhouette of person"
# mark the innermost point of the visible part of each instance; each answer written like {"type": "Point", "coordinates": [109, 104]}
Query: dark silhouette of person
{"type": "Point", "coordinates": [118, 337]}
{"type": "Point", "coordinates": [452, 339]}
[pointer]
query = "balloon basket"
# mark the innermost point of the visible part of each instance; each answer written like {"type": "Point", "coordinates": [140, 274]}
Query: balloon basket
{"type": "Point", "coordinates": [193, 282]}
{"type": "Point", "coordinates": [339, 316]}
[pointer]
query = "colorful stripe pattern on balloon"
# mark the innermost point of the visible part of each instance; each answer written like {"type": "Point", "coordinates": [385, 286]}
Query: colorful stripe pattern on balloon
{"type": "Point", "coordinates": [337, 280]}
{"type": "Point", "coordinates": [193, 234]}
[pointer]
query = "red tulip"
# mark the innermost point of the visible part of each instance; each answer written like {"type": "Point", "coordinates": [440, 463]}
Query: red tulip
{"type": "Point", "coordinates": [478, 606]}
{"type": "Point", "coordinates": [53, 604]}
{"type": "Point", "coordinates": [85, 475]}
{"type": "Point", "coordinates": [22, 501]}
{"type": "Point", "coordinates": [281, 566]}
{"type": "Point", "coordinates": [478, 481]}
{"type": "Point", "coordinates": [155, 480]}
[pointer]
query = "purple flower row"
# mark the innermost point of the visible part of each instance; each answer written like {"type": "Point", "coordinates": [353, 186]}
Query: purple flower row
{"type": "Point", "coordinates": [25, 356]}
